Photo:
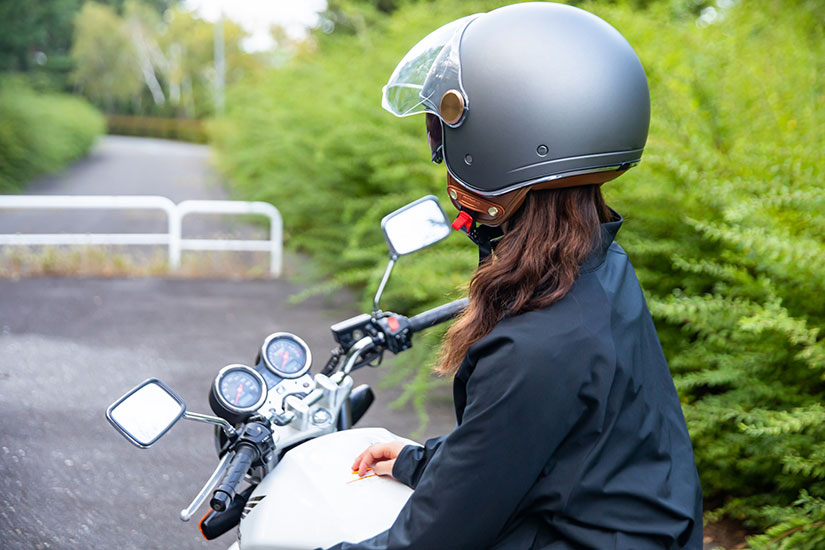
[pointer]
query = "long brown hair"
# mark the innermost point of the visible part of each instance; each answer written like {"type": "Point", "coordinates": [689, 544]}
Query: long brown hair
{"type": "Point", "coordinates": [535, 264]}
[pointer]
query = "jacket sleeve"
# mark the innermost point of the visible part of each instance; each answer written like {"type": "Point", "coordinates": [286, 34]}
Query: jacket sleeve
{"type": "Point", "coordinates": [518, 411]}
{"type": "Point", "coordinates": [413, 459]}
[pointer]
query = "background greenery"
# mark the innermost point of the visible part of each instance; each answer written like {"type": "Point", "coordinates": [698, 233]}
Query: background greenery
{"type": "Point", "coordinates": [724, 217]}
{"type": "Point", "coordinates": [41, 132]}
{"type": "Point", "coordinates": [144, 58]}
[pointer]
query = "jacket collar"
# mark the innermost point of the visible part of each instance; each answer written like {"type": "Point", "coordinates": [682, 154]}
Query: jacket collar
{"type": "Point", "coordinates": [606, 237]}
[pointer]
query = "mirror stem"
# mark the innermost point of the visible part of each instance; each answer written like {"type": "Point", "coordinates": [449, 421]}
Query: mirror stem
{"type": "Point", "coordinates": [384, 280]}
{"type": "Point", "coordinates": [227, 427]}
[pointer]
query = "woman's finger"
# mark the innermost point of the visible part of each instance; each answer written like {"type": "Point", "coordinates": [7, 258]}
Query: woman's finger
{"type": "Point", "coordinates": [376, 454]}
{"type": "Point", "coordinates": [366, 462]}
{"type": "Point", "coordinates": [363, 461]}
{"type": "Point", "coordinates": [358, 459]}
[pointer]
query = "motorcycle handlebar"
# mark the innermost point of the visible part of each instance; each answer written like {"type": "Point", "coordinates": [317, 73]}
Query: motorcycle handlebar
{"type": "Point", "coordinates": [223, 495]}
{"type": "Point", "coordinates": [437, 315]}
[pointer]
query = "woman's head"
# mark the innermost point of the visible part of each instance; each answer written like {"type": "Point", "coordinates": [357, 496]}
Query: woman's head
{"type": "Point", "coordinates": [535, 264]}
{"type": "Point", "coordinates": [523, 97]}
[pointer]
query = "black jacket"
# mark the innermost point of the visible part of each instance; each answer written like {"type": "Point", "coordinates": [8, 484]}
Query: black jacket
{"type": "Point", "coordinates": [570, 434]}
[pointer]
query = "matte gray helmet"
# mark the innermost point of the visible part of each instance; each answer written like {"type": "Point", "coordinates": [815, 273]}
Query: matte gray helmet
{"type": "Point", "coordinates": [527, 94]}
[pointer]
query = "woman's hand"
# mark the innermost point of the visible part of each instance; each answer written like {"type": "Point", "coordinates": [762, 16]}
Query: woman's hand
{"type": "Point", "coordinates": [380, 456]}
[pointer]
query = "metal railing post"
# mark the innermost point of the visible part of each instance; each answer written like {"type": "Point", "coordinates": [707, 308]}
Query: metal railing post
{"type": "Point", "coordinates": [274, 246]}
{"type": "Point", "coordinates": [175, 222]}
{"type": "Point", "coordinates": [276, 239]}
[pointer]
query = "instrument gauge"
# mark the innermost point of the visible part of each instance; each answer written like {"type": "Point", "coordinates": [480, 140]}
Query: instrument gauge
{"type": "Point", "coordinates": [286, 355]}
{"type": "Point", "coordinates": [237, 392]}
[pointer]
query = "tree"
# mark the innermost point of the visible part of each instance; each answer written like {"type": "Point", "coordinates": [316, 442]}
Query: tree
{"type": "Point", "coordinates": [107, 69]}
{"type": "Point", "coordinates": [142, 63]}
{"type": "Point", "coordinates": [31, 30]}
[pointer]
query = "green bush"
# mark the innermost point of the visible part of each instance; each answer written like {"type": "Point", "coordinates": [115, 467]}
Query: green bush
{"type": "Point", "coordinates": [41, 132]}
{"type": "Point", "coordinates": [724, 217]}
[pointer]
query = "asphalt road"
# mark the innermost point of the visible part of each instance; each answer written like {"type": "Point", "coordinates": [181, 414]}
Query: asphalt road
{"type": "Point", "coordinates": [69, 347]}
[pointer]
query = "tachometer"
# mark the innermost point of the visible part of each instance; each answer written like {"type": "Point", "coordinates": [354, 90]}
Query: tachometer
{"type": "Point", "coordinates": [286, 355]}
{"type": "Point", "coordinates": [238, 391]}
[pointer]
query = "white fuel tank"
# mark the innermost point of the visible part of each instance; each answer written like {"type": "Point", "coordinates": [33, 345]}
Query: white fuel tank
{"type": "Point", "coordinates": [313, 499]}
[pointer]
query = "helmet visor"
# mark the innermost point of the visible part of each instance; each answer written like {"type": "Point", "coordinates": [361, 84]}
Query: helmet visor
{"type": "Point", "coordinates": [429, 69]}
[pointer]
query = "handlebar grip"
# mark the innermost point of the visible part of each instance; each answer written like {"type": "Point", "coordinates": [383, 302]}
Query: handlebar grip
{"type": "Point", "coordinates": [225, 492]}
{"type": "Point", "coordinates": [437, 315]}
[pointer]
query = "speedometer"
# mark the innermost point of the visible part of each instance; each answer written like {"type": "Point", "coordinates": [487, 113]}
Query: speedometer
{"type": "Point", "coordinates": [286, 355]}
{"type": "Point", "coordinates": [238, 391]}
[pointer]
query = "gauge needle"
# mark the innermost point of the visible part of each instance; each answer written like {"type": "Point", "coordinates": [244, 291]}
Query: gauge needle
{"type": "Point", "coordinates": [285, 356]}
{"type": "Point", "coordinates": [239, 394]}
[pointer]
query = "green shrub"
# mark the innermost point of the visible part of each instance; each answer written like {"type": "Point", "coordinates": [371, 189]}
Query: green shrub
{"type": "Point", "coordinates": [724, 218]}
{"type": "Point", "coordinates": [41, 132]}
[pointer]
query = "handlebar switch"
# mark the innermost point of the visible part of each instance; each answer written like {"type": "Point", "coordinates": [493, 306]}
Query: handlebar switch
{"type": "Point", "coordinates": [259, 436]}
{"type": "Point", "coordinates": [348, 332]}
{"type": "Point", "coordinates": [396, 330]}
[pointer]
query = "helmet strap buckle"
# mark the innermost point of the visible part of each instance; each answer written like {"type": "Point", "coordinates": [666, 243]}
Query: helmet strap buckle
{"type": "Point", "coordinates": [464, 222]}
{"type": "Point", "coordinates": [484, 236]}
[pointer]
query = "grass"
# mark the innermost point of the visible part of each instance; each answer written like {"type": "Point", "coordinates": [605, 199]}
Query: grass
{"type": "Point", "coordinates": [111, 262]}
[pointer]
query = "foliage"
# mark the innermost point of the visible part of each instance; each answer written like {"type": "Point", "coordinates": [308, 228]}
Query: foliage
{"type": "Point", "coordinates": [138, 62]}
{"type": "Point", "coordinates": [28, 28]}
{"type": "Point", "coordinates": [799, 528]}
{"type": "Point", "coordinates": [724, 216]}
{"type": "Point", "coordinates": [36, 36]}
{"type": "Point", "coordinates": [735, 282]}
{"type": "Point", "coordinates": [41, 132]}
{"type": "Point", "coordinates": [183, 129]}
{"type": "Point", "coordinates": [106, 70]}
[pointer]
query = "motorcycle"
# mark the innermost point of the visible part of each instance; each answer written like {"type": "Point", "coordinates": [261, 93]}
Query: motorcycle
{"type": "Point", "coordinates": [284, 435]}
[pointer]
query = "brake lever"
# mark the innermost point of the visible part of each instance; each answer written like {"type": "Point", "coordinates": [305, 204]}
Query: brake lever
{"type": "Point", "coordinates": [212, 482]}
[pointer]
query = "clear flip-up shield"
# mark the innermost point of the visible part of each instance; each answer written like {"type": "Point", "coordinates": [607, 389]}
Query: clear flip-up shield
{"type": "Point", "coordinates": [431, 68]}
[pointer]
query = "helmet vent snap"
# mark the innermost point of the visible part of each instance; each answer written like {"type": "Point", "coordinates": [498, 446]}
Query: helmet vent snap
{"type": "Point", "coordinates": [452, 106]}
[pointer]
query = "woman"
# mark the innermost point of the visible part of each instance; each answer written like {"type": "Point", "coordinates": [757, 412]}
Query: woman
{"type": "Point", "coordinates": [570, 434]}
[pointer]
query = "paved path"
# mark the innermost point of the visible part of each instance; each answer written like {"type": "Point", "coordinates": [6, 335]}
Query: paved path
{"type": "Point", "coordinates": [69, 347]}
{"type": "Point", "coordinates": [120, 165]}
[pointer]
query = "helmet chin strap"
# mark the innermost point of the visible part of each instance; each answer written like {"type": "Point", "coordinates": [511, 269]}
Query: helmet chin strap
{"type": "Point", "coordinates": [484, 236]}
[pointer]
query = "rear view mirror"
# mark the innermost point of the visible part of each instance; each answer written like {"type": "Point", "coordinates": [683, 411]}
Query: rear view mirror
{"type": "Point", "coordinates": [410, 228]}
{"type": "Point", "coordinates": [146, 412]}
{"type": "Point", "coordinates": [415, 226]}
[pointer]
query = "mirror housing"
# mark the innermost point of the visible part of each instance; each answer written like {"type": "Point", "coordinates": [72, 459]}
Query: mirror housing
{"type": "Point", "coordinates": [409, 229]}
{"type": "Point", "coordinates": [145, 413]}
{"type": "Point", "coordinates": [415, 226]}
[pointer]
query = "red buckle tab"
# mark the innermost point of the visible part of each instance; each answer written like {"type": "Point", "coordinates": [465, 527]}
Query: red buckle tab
{"type": "Point", "coordinates": [464, 222]}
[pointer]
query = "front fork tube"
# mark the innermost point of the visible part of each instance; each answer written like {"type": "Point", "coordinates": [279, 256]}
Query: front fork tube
{"type": "Point", "coordinates": [345, 416]}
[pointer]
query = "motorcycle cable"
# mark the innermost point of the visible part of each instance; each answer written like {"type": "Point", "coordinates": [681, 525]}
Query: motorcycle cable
{"type": "Point", "coordinates": [334, 360]}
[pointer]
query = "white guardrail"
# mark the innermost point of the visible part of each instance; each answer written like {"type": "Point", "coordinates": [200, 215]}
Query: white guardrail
{"type": "Point", "coordinates": [172, 238]}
